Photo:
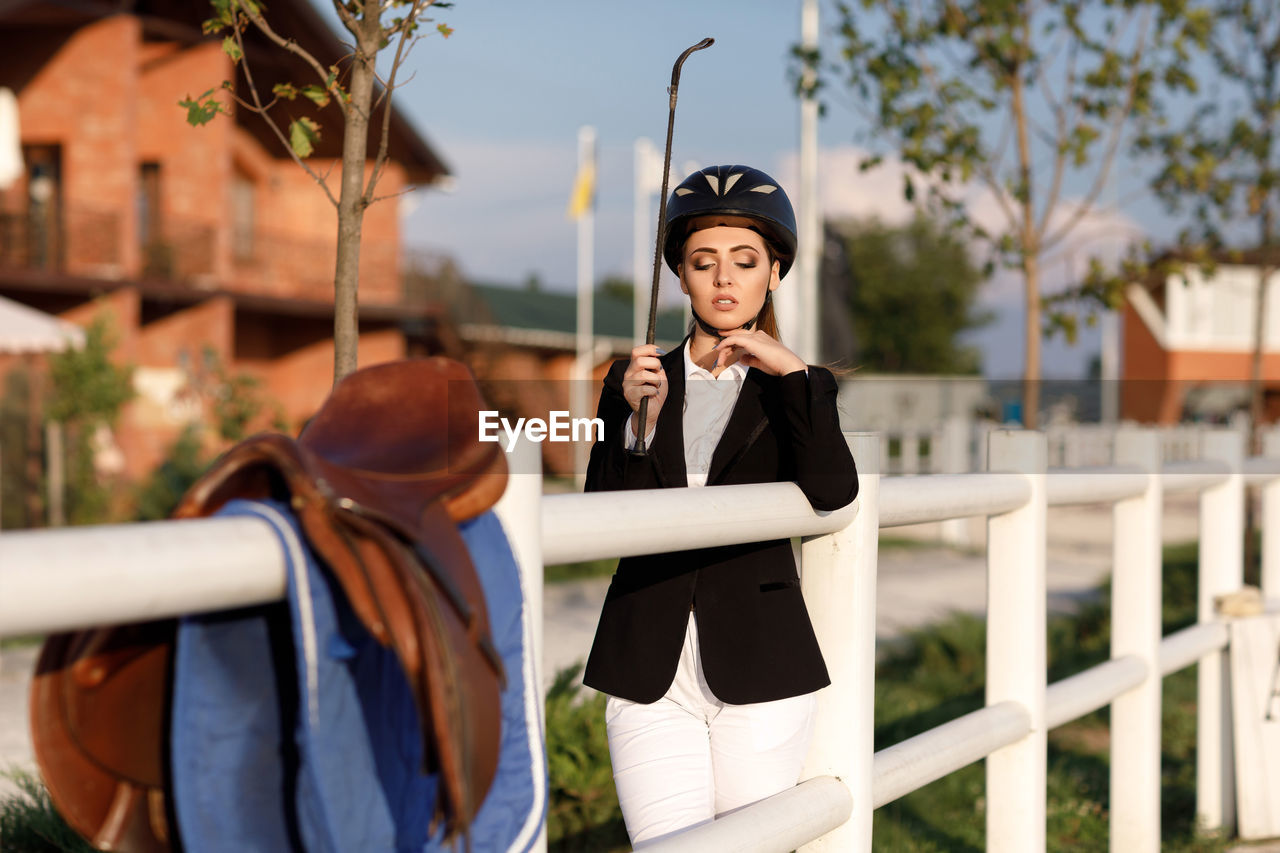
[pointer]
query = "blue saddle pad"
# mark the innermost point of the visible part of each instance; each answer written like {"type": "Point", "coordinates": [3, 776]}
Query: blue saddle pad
{"type": "Point", "coordinates": [293, 729]}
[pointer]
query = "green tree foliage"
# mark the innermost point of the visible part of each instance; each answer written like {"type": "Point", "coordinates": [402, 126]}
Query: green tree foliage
{"type": "Point", "coordinates": [17, 490]}
{"type": "Point", "coordinates": [236, 402]}
{"type": "Point", "coordinates": [88, 388]}
{"type": "Point", "coordinates": [617, 287]}
{"type": "Point", "coordinates": [161, 491]}
{"type": "Point", "coordinates": [1223, 161]}
{"type": "Point", "coordinates": [88, 391]}
{"type": "Point", "coordinates": [1021, 99]}
{"type": "Point", "coordinates": [347, 86]}
{"type": "Point", "coordinates": [912, 295]}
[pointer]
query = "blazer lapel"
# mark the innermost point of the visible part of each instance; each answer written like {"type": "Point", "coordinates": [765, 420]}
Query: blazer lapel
{"type": "Point", "coordinates": [745, 425]}
{"type": "Point", "coordinates": [668, 441]}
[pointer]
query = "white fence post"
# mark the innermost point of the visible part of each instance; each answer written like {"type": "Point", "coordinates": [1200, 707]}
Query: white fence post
{"type": "Point", "coordinates": [839, 583]}
{"type": "Point", "coordinates": [1270, 525]}
{"type": "Point", "coordinates": [1136, 630]}
{"type": "Point", "coordinates": [954, 452]}
{"type": "Point", "coordinates": [1221, 571]}
{"type": "Point", "coordinates": [1016, 647]}
{"type": "Point", "coordinates": [520, 511]}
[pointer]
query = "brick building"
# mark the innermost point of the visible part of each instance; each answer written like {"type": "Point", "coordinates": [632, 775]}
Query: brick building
{"type": "Point", "coordinates": [1189, 340]}
{"type": "Point", "coordinates": [195, 241]}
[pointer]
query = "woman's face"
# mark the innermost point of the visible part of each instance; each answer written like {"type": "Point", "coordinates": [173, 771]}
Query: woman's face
{"type": "Point", "coordinates": [727, 271]}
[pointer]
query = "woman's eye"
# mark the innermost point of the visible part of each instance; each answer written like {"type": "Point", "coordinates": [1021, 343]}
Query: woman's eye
{"type": "Point", "coordinates": [747, 265]}
{"type": "Point", "coordinates": [702, 266]}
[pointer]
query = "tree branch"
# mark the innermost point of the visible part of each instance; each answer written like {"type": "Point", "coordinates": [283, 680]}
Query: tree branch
{"type": "Point", "coordinates": [980, 166]}
{"type": "Point", "coordinates": [297, 50]}
{"type": "Point", "coordinates": [257, 100]}
{"type": "Point", "coordinates": [380, 161]}
{"type": "Point", "coordinates": [1120, 116]}
{"type": "Point", "coordinates": [1060, 155]}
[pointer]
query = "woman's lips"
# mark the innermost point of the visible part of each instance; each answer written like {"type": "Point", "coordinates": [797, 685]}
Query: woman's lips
{"type": "Point", "coordinates": [724, 306]}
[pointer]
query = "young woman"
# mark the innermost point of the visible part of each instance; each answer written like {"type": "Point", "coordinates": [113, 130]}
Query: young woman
{"type": "Point", "coordinates": [708, 656]}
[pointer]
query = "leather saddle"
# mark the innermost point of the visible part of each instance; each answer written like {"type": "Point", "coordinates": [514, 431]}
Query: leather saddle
{"type": "Point", "coordinates": [378, 480]}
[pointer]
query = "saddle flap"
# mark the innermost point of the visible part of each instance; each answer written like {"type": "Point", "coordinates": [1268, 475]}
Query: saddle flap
{"type": "Point", "coordinates": [99, 708]}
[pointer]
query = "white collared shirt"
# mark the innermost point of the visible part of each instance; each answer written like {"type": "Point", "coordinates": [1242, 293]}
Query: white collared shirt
{"type": "Point", "coordinates": [708, 403]}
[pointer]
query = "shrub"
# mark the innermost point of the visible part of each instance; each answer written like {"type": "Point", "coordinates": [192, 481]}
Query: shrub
{"type": "Point", "coordinates": [161, 491]}
{"type": "Point", "coordinates": [30, 824]}
{"type": "Point", "coordinates": [584, 812]}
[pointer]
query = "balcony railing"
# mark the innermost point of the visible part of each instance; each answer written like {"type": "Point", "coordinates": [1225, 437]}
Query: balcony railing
{"type": "Point", "coordinates": [268, 262]}
{"type": "Point", "coordinates": [80, 241]}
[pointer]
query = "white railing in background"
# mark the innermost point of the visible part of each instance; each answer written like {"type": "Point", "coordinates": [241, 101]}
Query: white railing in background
{"type": "Point", "coordinates": [161, 569]}
{"type": "Point", "coordinates": [958, 444]}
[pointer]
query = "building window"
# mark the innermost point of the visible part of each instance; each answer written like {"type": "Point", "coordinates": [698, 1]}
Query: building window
{"type": "Point", "coordinates": [149, 231]}
{"type": "Point", "coordinates": [243, 197]}
{"type": "Point", "coordinates": [44, 206]}
{"type": "Point", "coordinates": [157, 254]}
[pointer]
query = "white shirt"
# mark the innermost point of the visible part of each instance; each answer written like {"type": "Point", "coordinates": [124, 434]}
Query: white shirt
{"type": "Point", "coordinates": [708, 403]}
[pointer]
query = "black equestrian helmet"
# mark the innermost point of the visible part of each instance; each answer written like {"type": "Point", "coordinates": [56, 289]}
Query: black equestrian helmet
{"type": "Point", "coordinates": [732, 191]}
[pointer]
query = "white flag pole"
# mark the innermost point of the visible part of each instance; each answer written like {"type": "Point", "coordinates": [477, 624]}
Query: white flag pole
{"type": "Point", "coordinates": [810, 223]}
{"type": "Point", "coordinates": [580, 398]}
{"type": "Point", "coordinates": [645, 187]}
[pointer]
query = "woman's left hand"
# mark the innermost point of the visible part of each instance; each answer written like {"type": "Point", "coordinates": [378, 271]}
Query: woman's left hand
{"type": "Point", "coordinates": [756, 349]}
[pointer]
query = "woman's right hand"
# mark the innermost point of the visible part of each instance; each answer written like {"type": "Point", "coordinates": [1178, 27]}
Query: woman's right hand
{"type": "Point", "coordinates": [644, 377]}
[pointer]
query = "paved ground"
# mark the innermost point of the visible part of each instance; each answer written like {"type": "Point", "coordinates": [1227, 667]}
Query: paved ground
{"type": "Point", "coordinates": [16, 666]}
{"type": "Point", "coordinates": [917, 583]}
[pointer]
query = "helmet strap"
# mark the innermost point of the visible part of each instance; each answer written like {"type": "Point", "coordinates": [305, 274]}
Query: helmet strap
{"type": "Point", "coordinates": [718, 334]}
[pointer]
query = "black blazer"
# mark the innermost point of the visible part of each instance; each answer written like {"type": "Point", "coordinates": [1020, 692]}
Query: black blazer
{"type": "Point", "coordinates": [756, 640]}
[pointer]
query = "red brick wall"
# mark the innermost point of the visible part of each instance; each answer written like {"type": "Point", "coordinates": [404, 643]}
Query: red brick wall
{"type": "Point", "coordinates": [195, 162]}
{"type": "Point", "coordinates": [299, 231]}
{"type": "Point", "coordinates": [184, 335]}
{"type": "Point", "coordinates": [301, 380]}
{"type": "Point", "coordinates": [83, 99]}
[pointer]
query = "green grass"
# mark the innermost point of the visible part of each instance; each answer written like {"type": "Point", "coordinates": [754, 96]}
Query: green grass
{"type": "Point", "coordinates": [579, 571]}
{"type": "Point", "coordinates": [29, 823]}
{"type": "Point", "coordinates": [23, 642]}
{"type": "Point", "coordinates": [938, 673]}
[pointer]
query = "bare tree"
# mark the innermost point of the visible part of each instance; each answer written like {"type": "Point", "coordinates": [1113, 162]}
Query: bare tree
{"type": "Point", "coordinates": [354, 86]}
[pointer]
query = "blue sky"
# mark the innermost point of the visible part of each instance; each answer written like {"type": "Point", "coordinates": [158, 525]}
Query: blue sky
{"type": "Point", "coordinates": [502, 100]}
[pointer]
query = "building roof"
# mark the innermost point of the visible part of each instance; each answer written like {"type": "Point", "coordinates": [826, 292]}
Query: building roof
{"type": "Point", "coordinates": [548, 318]}
{"type": "Point", "coordinates": [26, 330]}
{"type": "Point", "coordinates": [180, 21]}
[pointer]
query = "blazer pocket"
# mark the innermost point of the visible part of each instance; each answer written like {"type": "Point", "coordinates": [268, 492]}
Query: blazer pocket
{"type": "Point", "coordinates": [778, 585]}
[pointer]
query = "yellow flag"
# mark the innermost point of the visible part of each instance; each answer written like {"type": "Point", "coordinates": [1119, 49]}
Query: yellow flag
{"type": "Point", "coordinates": [584, 191]}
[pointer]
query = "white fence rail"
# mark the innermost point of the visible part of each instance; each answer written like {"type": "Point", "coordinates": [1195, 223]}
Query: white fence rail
{"type": "Point", "coordinates": [165, 568]}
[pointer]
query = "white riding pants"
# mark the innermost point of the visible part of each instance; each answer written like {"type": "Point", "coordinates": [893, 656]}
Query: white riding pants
{"type": "Point", "coordinates": [689, 758]}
